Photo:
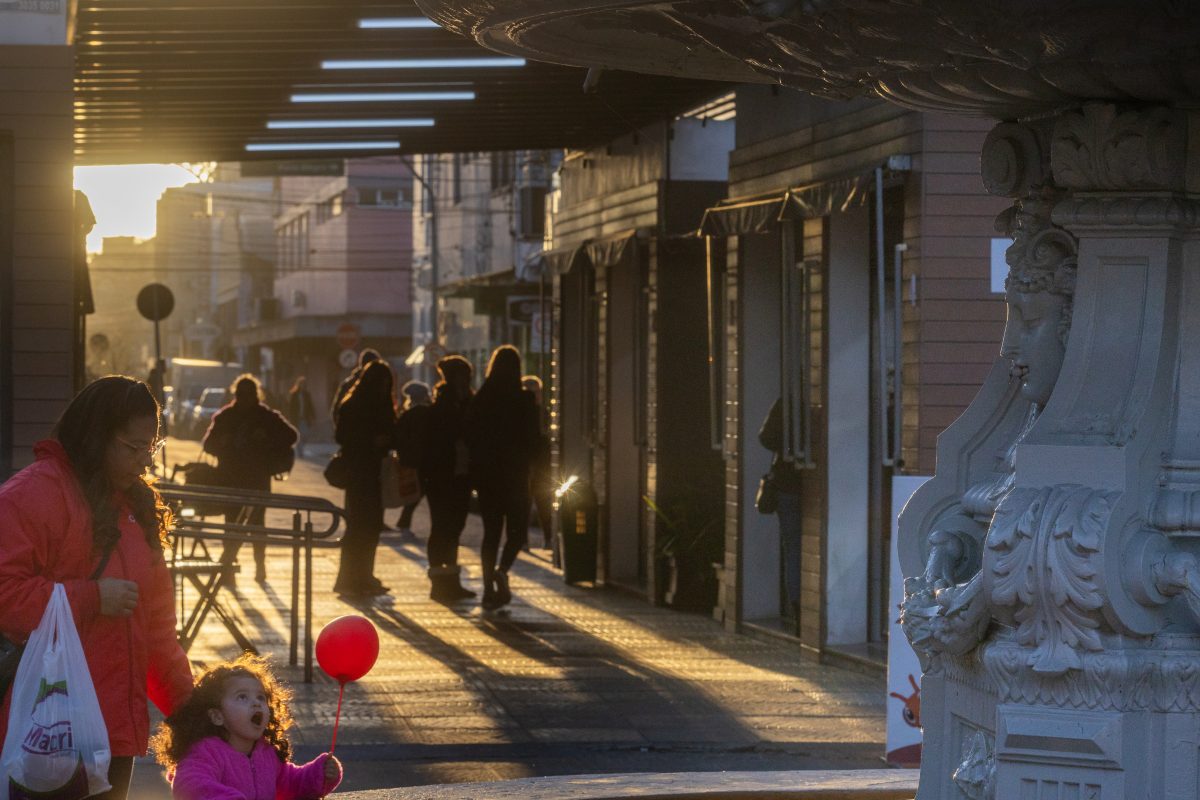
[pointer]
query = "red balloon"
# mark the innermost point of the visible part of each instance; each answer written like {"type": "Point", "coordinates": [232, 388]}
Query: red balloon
{"type": "Point", "coordinates": [347, 648]}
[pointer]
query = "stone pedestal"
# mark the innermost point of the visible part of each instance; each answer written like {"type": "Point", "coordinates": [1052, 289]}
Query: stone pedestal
{"type": "Point", "coordinates": [1052, 585]}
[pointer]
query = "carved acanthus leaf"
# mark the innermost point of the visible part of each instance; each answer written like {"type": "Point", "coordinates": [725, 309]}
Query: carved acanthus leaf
{"type": "Point", "coordinates": [976, 775]}
{"type": "Point", "coordinates": [1099, 149]}
{"type": "Point", "coordinates": [1041, 556]}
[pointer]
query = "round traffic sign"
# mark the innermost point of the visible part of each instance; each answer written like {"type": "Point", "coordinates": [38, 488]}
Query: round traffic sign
{"type": "Point", "coordinates": [347, 335]}
{"type": "Point", "coordinates": [155, 302]}
{"type": "Point", "coordinates": [347, 358]}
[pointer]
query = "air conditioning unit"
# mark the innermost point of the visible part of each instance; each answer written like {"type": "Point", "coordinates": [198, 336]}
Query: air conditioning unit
{"type": "Point", "coordinates": [268, 309]}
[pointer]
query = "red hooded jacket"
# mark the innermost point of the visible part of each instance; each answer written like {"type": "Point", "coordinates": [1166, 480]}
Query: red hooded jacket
{"type": "Point", "coordinates": [46, 538]}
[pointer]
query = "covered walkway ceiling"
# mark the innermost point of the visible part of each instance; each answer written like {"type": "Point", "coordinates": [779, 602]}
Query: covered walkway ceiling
{"type": "Point", "coordinates": [199, 80]}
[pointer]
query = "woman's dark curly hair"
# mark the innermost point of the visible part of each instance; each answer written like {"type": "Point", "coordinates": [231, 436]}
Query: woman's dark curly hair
{"type": "Point", "coordinates": [190, 723]}
{"type": "Point", "coordinates": [85, 430]}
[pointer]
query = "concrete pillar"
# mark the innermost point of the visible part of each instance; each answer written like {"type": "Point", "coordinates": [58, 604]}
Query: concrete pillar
{"type": "Point", "coordinates": [36, 231]}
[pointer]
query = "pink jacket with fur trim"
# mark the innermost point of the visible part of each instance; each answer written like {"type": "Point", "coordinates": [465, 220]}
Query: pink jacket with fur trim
{"type": "Point", "coordinates": [212, 770]}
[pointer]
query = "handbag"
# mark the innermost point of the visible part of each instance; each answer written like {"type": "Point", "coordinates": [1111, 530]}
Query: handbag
{"type": "Point", "coordinates": [57, 742]}
{"type": "Point", "coordinates": [337, 471]}
{"type": "Point", "coordinates": [766, 501]}
{"type": "Point", "coordinates": [11, 652]}
{"type": "Point", "coordinates": [399, 484]}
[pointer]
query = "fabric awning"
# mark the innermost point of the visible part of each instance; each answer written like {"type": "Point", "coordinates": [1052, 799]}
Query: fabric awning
{"type": "Point", "coordinates": [611, 250]}
{"type": "Point", "coordinates": [472, 286]}
{"type": "Point", "coordinates": [563, 260]}
{"type": "Point", "coordinates": [821, 198]}
{"type": "Point", "coordinates": [734, 218]}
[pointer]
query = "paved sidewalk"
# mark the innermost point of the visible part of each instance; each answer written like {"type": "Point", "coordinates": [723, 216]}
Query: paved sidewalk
{"type": "Point", "coordinates": [566, 681]}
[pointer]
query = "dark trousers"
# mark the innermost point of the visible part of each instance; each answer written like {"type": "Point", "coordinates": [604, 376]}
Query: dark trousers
{"type": "Point", "coordinates": [257, 516]}
{"type": "Point", "coordinates": [364, 521]}
{"type": "Point", "coordinates": [504, 507]}
{"type": "Point", "coordinates": [448, 505]}
{"type": "Point", "coordinates": [406, 515]}
{"type": "Point", "coordinates": [120, 772]}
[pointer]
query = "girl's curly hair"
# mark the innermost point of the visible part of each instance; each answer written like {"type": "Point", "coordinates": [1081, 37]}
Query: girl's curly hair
{"type": "Point", "coordinates": [190, 723]}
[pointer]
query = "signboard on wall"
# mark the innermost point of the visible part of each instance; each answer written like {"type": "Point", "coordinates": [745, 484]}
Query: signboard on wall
{"type": "Point", "coordinates": [904, 670]}
{"type": "Point", "coordinates": [33, 22]}
{"type": "Point", "coordinates": [521, 310]}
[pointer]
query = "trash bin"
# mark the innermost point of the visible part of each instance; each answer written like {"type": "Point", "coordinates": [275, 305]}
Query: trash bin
{"type": "Point", "coordinates": [577, 530]}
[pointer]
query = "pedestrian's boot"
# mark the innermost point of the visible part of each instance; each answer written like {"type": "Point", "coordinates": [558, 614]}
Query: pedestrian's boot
{"type": "Point", "coordinates": [503, 592]}
{"type": "Point", "coordinates": [444, 585]}
{"type": "Point", "coordinates": [491, 600]}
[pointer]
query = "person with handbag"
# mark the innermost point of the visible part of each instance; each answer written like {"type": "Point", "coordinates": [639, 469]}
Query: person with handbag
{"type": "Point", "coordinates": [87, 498]}
{"type": "Point", "coordinates": [252, 442]}
{"type": "Point", "coordinates": [779, 494]}
{"type": "Point", "coordinates": [365, 431]}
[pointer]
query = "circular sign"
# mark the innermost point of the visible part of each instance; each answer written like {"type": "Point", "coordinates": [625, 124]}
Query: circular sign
{"type": "Point", "coordinates": [347, 358]}
{"type": "Point", "coordinates": [347, 335]}
{"type": "Point", "coordinates": [155, 302]}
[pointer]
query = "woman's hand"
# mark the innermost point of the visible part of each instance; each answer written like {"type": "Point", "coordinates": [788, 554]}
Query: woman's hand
{"type": "Point", "coordinates": [118, 598]}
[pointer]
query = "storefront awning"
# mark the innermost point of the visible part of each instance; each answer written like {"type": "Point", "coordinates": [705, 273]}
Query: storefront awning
{"type": "Point", "coordinates": [474, 285]}
{"type": "Point", "coordinates": [563, 260]}
{"type": "Point", "coordinates": [611, 250]}
{"type": "Point", "coordinates": [759, 214]}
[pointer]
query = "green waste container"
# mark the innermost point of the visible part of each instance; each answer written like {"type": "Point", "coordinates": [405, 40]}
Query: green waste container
{"type": "Point", "coordinates": [577, 532]}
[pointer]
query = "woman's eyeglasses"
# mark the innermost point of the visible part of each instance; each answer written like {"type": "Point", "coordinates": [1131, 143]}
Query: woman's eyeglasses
{"type": "Point", "coordinates": [152, 450]}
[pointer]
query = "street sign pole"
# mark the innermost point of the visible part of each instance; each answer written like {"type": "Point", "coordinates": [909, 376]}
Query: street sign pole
{"type": "Point", "coordinates": [155, 302]}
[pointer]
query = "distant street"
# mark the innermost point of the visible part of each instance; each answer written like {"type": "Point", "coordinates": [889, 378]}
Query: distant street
{"type": "Point", "coordinates": [571, 680]}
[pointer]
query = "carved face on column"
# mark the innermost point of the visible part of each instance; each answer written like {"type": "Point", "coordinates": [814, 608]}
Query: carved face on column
{"type": "Point", "coordinates": [1033, 341]}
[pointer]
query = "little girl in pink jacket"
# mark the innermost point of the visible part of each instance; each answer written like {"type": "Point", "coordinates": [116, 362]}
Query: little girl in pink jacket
{"type": "Point", "coordinates": [229, 741]}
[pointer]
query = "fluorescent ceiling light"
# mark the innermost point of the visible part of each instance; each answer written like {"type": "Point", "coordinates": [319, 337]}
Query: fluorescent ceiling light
{"type": "Point", "coordinates": [380, 97]}
{"type": "Point", "coordinates": [422, 63]}
{"type": "Point", "coordinates": [397, 22]}
{"type": "Point", "coordinates": [299, 124]}
{"type": "Point", "coordinates": [292, 146]}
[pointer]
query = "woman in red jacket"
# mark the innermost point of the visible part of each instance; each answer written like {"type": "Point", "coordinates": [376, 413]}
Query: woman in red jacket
{"type": "Point", "coordinates": [87, 494]}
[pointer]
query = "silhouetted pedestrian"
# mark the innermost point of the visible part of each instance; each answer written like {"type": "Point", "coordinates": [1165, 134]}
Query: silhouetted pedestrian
{"type": "Point", "coordinates": [541, 479]}
{"type": "Point", "coordinates": [301, 412]}
{"type": "Point", "coordinates": [414, 416]}
{"type": "Point", "coordinates": [785, 482]}
{"type": "Point", "coordinates": [502, 433]}
{"type": "Point", "coordinates": [365, 357]}
{"type": "Point", "coordinates": [445, 477]}
{"type": "Point", "coordinates": [251, 442]}
{"type": "Point", "coordinates": [366, 423]}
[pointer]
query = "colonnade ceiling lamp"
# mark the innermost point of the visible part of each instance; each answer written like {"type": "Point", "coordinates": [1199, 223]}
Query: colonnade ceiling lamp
{"type": "Point", "coordinates": [397, 23]}
{"type": "Point", "coordinates": [423, 63]}
{"type": "Point", "coordinates": [380, 97]}
{"type": "Point", "coordinates": [291, 147]}
{"type": "Point", "coordinates": [308, 124]}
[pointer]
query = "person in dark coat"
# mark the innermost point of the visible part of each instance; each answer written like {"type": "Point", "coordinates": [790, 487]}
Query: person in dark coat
{"type": "Point", "coordinates": [246, 436]}
{"type": "Point", "coordinates": [366, 423]}
{"type": "Point", "coordinates": [502, 433]}
{"type": "Point", "coordinates": [445, 477]}
{"type": "Point", "coordinates": [365, 357]}
{"type": "Point", "coordinates": [787, 478]}
{"type": "Point", "coordinates": [414, 415]}
{"type": "Point", "coordinates": [541, 478]}
{"type": "Point", "coordinates": [301, 412]}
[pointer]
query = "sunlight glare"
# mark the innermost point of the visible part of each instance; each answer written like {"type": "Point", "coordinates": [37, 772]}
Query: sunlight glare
{"type": "Point", "coordinates": [124, 197]}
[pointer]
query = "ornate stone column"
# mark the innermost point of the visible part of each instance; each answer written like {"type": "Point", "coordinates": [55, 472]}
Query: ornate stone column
{"type": "Point", "coordinates": [1053, 588]}
{"type": "Point", "coordinates": [1052, 579]}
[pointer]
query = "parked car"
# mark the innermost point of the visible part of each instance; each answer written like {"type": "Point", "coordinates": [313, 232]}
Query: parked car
{"type": "Point", "coordinates": [211, 400]}
{"type": "Point", "coordinates": [183, 404]}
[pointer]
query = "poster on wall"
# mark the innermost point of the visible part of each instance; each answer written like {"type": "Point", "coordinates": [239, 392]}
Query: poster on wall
{"type": "Point", "coordinates": [904, 670]}
{"type": "Point", "coordinates": [41, 22]}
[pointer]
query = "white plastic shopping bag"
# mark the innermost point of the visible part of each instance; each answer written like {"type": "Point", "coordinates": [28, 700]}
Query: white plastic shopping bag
{"type": "Point", "coordinates": [57, 743]}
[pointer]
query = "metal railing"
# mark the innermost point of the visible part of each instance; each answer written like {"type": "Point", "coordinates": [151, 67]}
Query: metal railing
{"type": "Point", "coordinates": [301, 536]}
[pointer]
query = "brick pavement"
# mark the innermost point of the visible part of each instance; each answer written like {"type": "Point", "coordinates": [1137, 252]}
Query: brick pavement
{"type": "Point", "coordinates": [567, 681]}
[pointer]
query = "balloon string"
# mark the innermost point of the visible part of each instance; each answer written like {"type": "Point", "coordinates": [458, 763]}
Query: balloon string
{"type": "Point", "coordinates": [337, 716]}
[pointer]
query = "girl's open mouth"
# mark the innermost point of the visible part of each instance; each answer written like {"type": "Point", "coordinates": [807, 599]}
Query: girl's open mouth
{"type": "Point", "coordinates": [256, 718]}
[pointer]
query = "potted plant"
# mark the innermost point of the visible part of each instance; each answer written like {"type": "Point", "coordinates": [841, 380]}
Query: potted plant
{"type": "Point", "coordinates": [689, 540]}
